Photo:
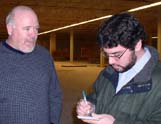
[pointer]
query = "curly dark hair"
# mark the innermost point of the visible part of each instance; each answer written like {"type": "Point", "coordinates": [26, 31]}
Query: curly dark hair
{"type": "Point", "coordinates": [121, 29]}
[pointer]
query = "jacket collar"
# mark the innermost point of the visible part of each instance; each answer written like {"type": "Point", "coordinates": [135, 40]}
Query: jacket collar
{"type": "Point", "coordinates": [138, 84]}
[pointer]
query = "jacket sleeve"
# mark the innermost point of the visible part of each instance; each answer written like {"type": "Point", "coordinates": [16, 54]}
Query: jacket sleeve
{"type": "Point", "coordinates": [153, 118]}
{"type": "Point", "coordinates": [146, 109]}
{"type": "Point", "coordinates": [55, 98]}
{"type": "Point", "coordinates": [151, 115]}
{"type": "Point", "coordinates": [92, 97]}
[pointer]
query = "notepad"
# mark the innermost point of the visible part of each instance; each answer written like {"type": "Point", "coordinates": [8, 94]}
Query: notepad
{"type": "Point", "coordinates": [88, 118]}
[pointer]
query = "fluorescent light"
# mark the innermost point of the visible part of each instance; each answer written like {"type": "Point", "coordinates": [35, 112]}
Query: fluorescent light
{"type": "Point", "coordinates": [100, 18]}
{"type": "Point", "coordinates": [76, 24]}
{"type": "Point", "coordinates": [145, 7]}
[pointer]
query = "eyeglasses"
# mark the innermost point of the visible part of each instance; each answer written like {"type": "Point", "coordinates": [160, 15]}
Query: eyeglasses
{"type": "Point", "coordinates": [115, 55]}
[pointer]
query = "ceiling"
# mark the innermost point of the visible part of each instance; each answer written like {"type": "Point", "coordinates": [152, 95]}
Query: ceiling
{"type": "Point", "coordinates": [58, 13]}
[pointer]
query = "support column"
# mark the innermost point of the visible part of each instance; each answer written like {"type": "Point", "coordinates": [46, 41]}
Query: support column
{"type": "Point", "coordinates": [159, 36]}
{"type": "Point", "coordinates": [71, 45]}
{"type": "Point", "coordinates": [52, 43]}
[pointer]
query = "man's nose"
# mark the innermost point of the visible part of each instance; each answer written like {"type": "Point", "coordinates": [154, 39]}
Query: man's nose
{"type": "Point", "coordinates": [111, 60]}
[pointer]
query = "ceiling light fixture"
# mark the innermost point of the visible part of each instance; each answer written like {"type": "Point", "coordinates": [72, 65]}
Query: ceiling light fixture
{"type": "Point", "coordinates": [145, 7]}
{"type": "Point", "coordinates": [100, 18]}
{"type": "Point", "coordinates": [76, 24]}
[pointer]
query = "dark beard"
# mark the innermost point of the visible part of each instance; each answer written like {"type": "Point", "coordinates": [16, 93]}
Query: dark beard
{"type": "Point", "coordinates": [130, 65]}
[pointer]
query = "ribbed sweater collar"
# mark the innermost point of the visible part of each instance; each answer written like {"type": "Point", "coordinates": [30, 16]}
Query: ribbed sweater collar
{"type": "Point", "coordinates": [11, 48]}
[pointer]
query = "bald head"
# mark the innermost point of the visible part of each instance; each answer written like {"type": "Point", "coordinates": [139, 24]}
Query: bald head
{"type": "Point", "coordinates": [10, 19]}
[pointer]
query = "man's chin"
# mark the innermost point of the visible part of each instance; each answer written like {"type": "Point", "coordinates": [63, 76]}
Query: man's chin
{"type": "Point", "coordinates": [118, 69]}
{"type": "Point", "coordinates": [28, 50]}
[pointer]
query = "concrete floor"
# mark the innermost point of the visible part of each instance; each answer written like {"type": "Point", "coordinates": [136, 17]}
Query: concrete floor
{"type": "Point", "coordinates": [74, 77]}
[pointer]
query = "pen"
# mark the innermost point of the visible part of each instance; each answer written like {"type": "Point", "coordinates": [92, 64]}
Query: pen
{"type": "Point", "coordinates": [85, 99]}
{"type": "Point", "coordinates": [84, 96]}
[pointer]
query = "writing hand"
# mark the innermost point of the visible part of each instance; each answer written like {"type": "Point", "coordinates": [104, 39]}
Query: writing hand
{"type": "Point", "coordinates": [84, 108]}
{"type": "Point", "coordinates": [102, 119]}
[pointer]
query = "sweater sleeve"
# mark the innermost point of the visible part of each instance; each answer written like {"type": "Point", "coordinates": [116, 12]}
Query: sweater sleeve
{"type": "Point", "coordinates": [55, 98]}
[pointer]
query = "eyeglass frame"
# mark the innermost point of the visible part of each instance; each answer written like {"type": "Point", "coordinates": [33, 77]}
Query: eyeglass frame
{"type": "Point", "coordinates": [114, 56]}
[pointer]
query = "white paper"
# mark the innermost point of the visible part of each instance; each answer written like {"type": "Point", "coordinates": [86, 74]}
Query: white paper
{"type": "Point", "coordinates": [87, 118]}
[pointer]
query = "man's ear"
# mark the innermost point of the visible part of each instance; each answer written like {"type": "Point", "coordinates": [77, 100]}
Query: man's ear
{"type": "Point", "coordinates": [9, 29]}
{"type": "Point", "coordinates": [138, 46]}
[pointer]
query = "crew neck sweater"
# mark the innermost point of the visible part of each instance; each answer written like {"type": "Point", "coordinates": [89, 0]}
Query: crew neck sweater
{"type": "Point", "coordinates": [27, 84]}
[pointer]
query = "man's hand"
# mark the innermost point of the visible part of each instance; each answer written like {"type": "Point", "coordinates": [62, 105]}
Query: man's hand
{"type": "Point", "coordinates": [84, 108]}
{"type": "Point", "coordinates": [102, 119]}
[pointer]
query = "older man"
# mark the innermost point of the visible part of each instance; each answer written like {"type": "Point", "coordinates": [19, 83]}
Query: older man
{"type": "Point", "coordinates": [29, 87]}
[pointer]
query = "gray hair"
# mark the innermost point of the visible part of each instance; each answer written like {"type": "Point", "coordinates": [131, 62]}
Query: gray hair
{"type": "Point", "coordinates": [11, 15]}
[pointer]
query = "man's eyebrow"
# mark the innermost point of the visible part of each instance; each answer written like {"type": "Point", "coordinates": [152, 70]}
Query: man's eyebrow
{"type": "Point", "coordinates": [115, 52]}
{"type": "Point", "coordinates": [31, 26]}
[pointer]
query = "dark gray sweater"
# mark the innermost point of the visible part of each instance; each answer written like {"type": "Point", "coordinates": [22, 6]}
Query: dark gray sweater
{"type": "Point", "coordinates": [29, 87]}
